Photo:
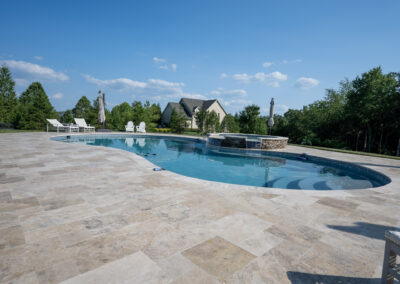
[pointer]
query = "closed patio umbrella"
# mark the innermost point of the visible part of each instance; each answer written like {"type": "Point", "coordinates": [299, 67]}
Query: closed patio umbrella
{"type": "Point", "coordinates": [102, 115]}
{"type": "Point", "coordinates": [271, 116]}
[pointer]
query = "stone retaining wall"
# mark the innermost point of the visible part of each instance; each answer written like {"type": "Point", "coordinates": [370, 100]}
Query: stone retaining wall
{"type": "Point", "coordinates": [273, 144]}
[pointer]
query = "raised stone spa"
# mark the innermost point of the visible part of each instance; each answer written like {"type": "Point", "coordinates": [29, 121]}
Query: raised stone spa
{"type": "Point", "coordinates": [249, 141]}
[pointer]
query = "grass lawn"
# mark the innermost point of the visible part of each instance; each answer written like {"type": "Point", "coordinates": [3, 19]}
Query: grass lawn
{"type": "Point", "coordinates": [348, 151]}
{"type": "Point", "coordinates": [193, 133]}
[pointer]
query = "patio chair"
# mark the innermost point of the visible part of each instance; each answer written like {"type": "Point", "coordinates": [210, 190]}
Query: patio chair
{"type": "Point", "coordinates": [82, 124]}
{"type": "Point", "coordinates": [130, 127]}
{"type": "Point", "coordinates": [59, 126]}
{"type": "Point", "coordinates": [141, 128]}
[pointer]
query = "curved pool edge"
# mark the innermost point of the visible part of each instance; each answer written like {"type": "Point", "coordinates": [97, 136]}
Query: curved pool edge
{"type": "Point", "coordinates": [384, 177]}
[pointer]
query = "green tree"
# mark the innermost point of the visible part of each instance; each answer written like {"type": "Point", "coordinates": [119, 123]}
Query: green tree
{"type": "Point", "coordinates": [229, 124]}
{"type": "Point", "coordinates": [152, 115]}
{"type": "Point", "coordinates": [34, 108]}
{"type": "Point", "coordinates": [211, 123]}
{"type": "Point", "coordinates": [8, 98]}
{"type": "Point", "coordinates": [177, 122]}
{"type": "Point", "coordinates": [249, 119]}
{"type": "Point", "coordinates": [120, 115]}
{"type": "Point", "coordinates": [139, 112]}
{"type": "Point", "coordinates": [67, 117]}
{"type": "Point", "coordinates": [261, 126]}
{"type": "Point", "coordinates": [371, 95]}
{"type": "Point", "coordinates": [360, 114]}
{"type": "Point", "coordinates": [84, 109]}
{"type": "Point", "coordinates": [200, 117]}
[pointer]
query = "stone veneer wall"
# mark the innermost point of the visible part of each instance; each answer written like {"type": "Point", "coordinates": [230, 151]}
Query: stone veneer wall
{"type": "Point", "coordinates": [272, 144]}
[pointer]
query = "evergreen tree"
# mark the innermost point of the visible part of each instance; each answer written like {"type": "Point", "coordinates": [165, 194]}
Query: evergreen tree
{"type": "Point", "coordinates": [152, 115]}
{"type": "Point", "coordinates": [120, 115]}
{"type": "Point", "coordinates": [34, 108]}
{"type": "Point", "coordinates": [261, 126]}
{"type": "Point", "coordinates": [8, 98]}
{"type": "Point", "coordinates": [67, 117]}
{"type": "Point", "coordinates": [229, 124]}
{"type": "Point", "coordinates": [248, 119]}
{"type": "Point", "coordinates": [200, 117]}
{"type": "Point", "coordinates": [211, 123]}
{"type": "Point", "coordinates": [83, 109]}
{"type": "Point", "coordinates": [177, 122]}
{"type": "Point", "coordinates": [139, 112]}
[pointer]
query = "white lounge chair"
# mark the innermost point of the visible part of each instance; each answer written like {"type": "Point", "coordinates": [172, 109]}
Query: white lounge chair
{"type": "Point", "coordinates": [59, 126]}
{"type": "Point", "coordinates": [82, 124]}
{"type": "Point", "coordinates": [130, 127]}
{"type": "Point", "coordinates": [141, 128]}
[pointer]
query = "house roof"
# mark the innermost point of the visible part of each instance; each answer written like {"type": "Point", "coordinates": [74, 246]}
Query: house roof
{"type": "Point", "coordinates": [192, 104]}
{"type": "Point", "coordinates": [178, 108]}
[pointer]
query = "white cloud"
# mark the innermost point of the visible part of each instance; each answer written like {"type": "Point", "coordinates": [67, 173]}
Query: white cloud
{"type": "Point", "coordinates": [235, 104]}
{"type": "Point", "coordinates": [159, 60]}
{"type": "Point", "coordinates": [306, 83]}
{"type": "Point", "coordinates": [291, 61]}
{"type": "Point", "coordinates": [281, 109]}
{"type": "Point", "coordinates": [57, 96]}
{"type": "Point", "coordinates": [194, 96]}
{"type": "Point", "coordinates": [120, 84]}
{"type": "Point", "coordinates": [278, 109]}
{"type": "Point", "coordinates": [223, 75]}
{"type": "Point", "coordinates": [172, 67]}
{"type": "Point", "coordinates": [271, 79]}
{"type": "Point", "coordinates": [37, 57]}
{"type": "Point", "coordinates": [267, 64]}
{"type": "Point", "coordinates": [152, 88]}
{"type": "Point", "coordinates": [220, 92]}
{"type": "Point", "coordinates": [26, 70]}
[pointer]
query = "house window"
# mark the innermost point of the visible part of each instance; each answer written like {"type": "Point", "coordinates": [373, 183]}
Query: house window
{"type": "Point", "coordinates": [218, 115]}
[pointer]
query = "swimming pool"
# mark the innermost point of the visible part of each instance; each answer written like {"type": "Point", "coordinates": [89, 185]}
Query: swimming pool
{"type": "Point", "coordinates": [193, 158]}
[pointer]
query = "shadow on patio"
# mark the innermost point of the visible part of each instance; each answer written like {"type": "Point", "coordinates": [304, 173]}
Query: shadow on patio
{"type": "Point", "coordinates": [308, 278]}
{"type": "Point", "coordinates": [369, 230]}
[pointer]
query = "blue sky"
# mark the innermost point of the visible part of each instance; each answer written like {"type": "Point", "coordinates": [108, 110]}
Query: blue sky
{"type": "Point", "coordinates": [240, 52]}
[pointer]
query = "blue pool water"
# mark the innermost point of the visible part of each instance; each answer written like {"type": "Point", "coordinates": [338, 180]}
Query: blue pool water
{"type": "Point", "coordinates": [190, 157]}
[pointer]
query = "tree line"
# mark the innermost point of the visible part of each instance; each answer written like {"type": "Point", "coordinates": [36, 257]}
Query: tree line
{"type": "Point", "coordinates": [361, 115]}
{"type": "Point", "coordinates": [118, 117]}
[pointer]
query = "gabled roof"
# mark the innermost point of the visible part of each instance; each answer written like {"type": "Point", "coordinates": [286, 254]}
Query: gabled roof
{"type": "Point", "coordinates": [208, 103]}
{"type": "Point", "coordinates": [178, 108]}
{"type": "Point", "coordinates": [191, 104]}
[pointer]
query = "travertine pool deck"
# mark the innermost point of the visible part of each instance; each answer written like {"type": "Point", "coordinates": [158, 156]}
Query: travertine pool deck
{"type": "Point", "coordinates": [73, 213]}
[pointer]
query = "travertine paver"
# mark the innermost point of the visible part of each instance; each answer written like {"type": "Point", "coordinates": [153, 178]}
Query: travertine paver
{"type": "Point", "coordinates": [219, 257]}
{"type": "Point", "coordinates": [85, 214]}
